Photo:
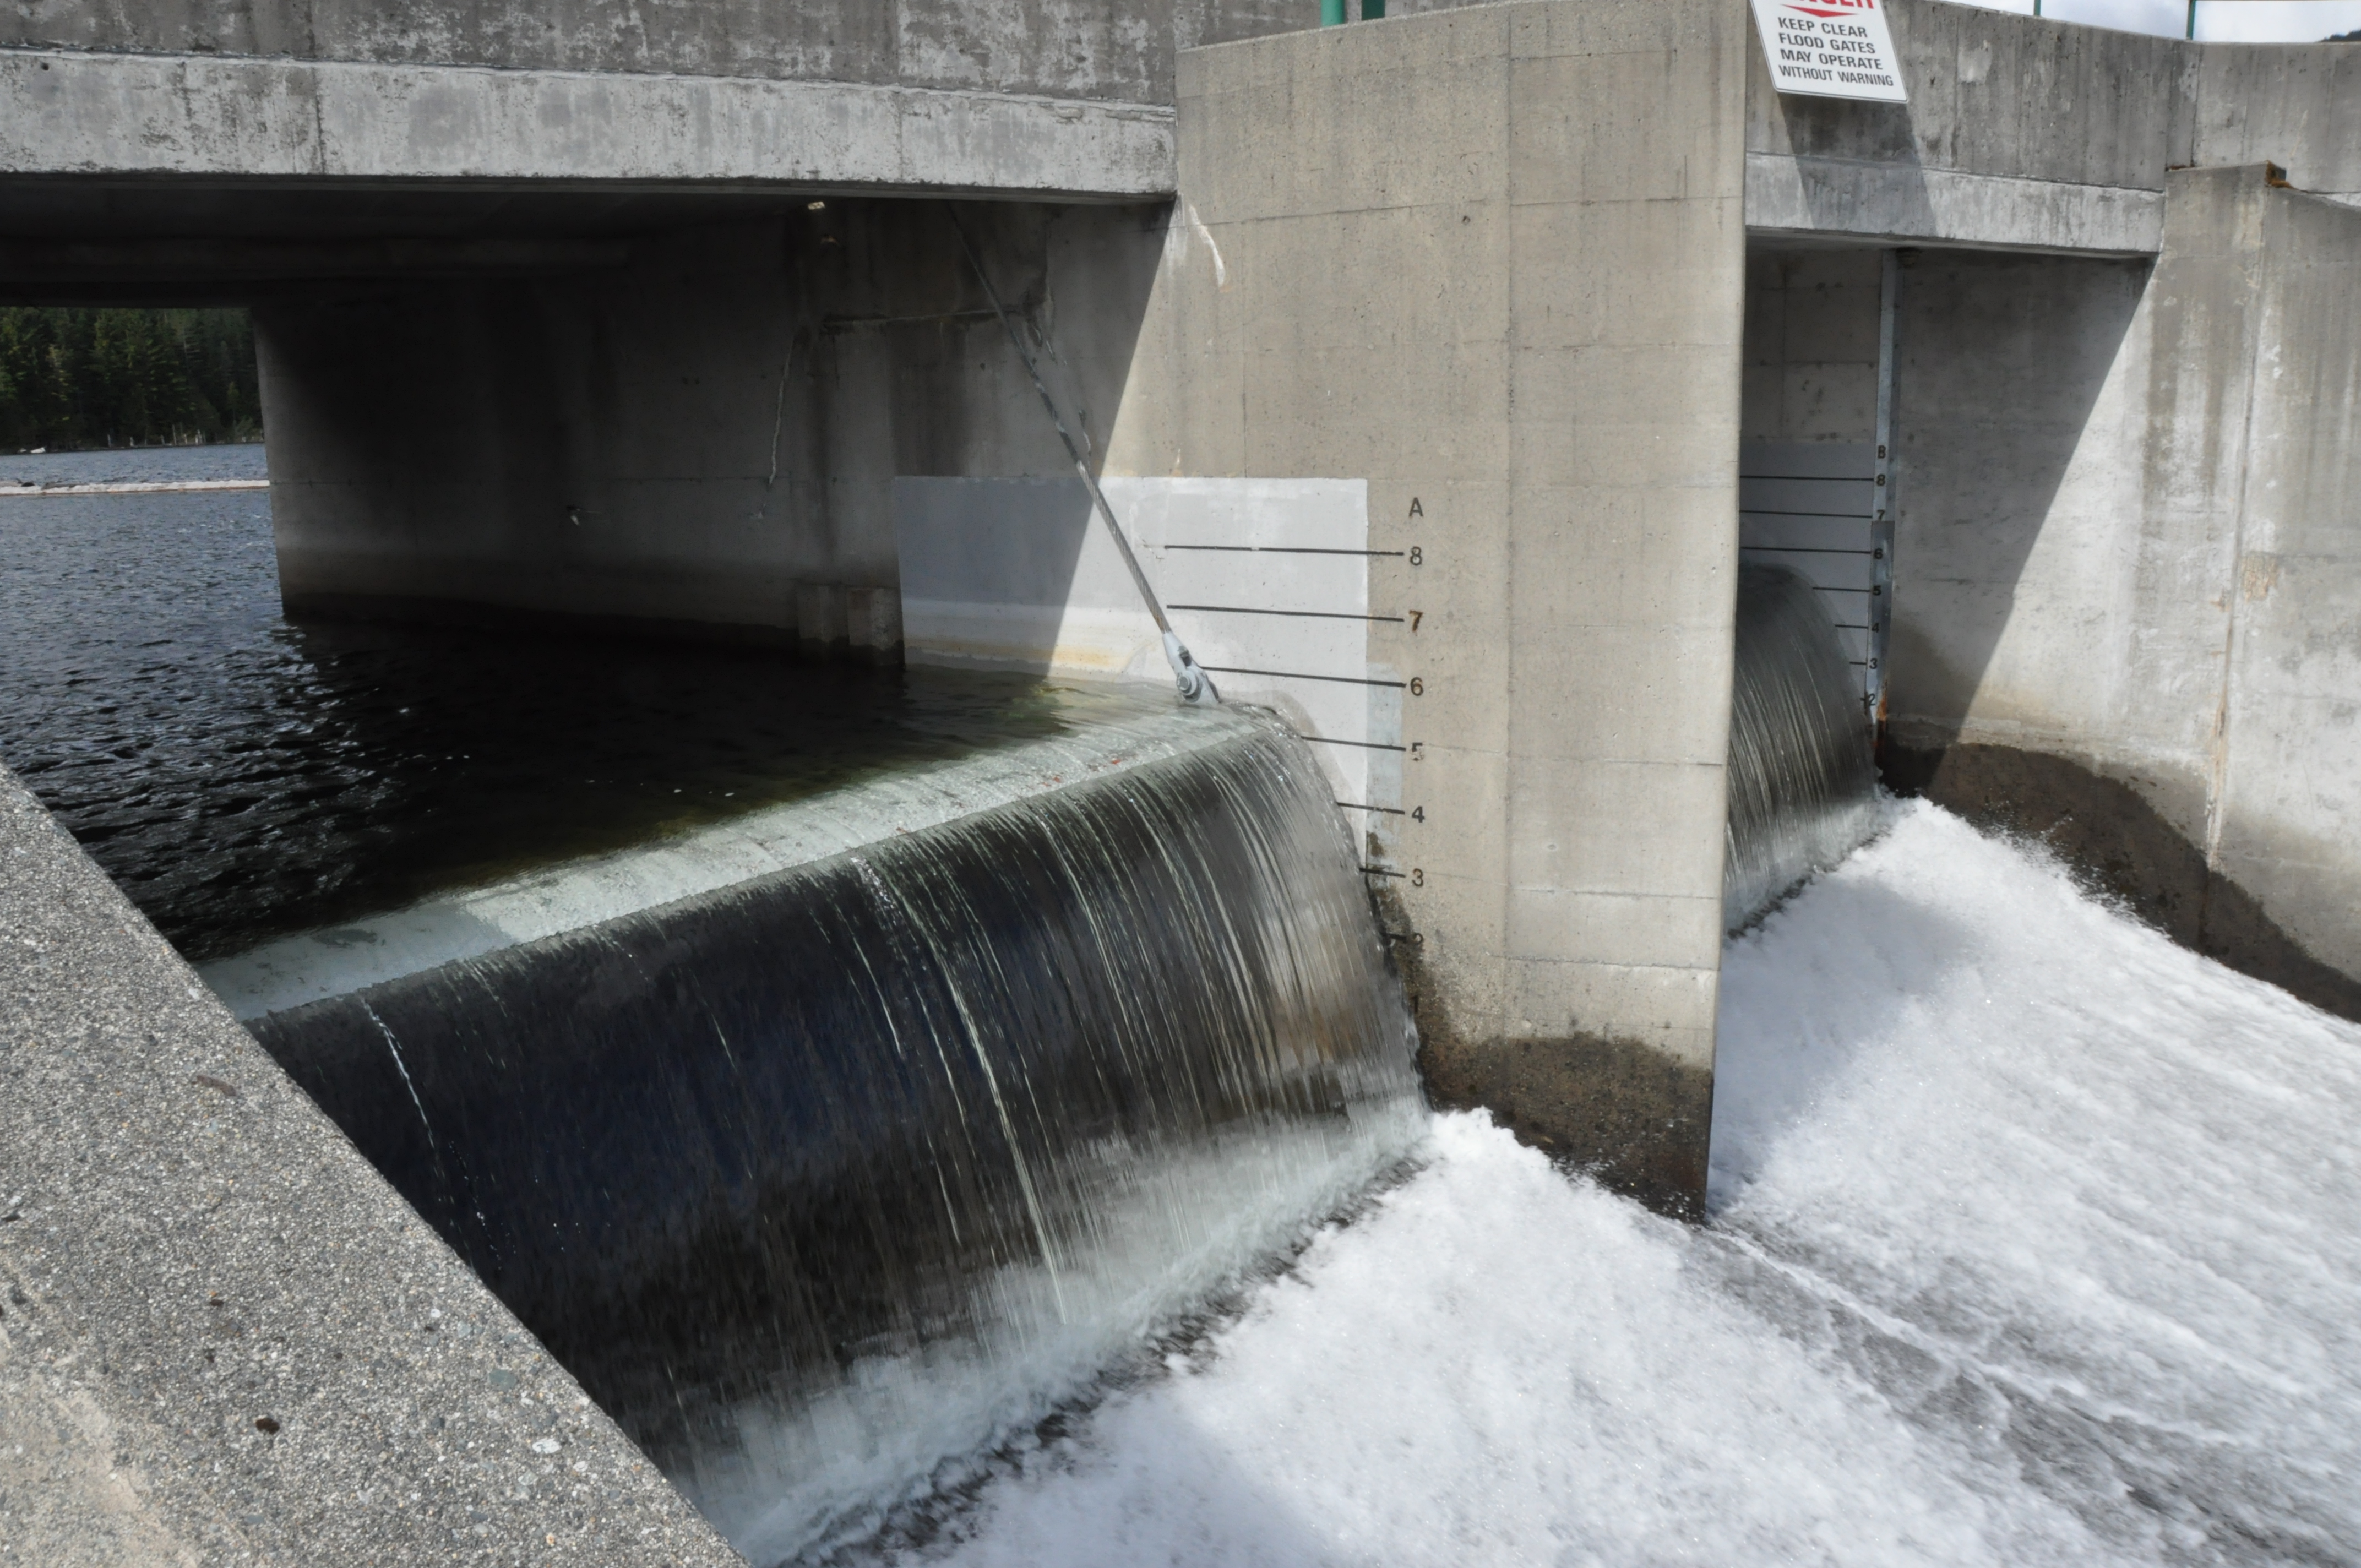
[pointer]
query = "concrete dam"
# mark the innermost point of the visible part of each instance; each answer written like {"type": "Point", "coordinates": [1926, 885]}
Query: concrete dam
{"type": "Point", "coordinates": [635, 896]}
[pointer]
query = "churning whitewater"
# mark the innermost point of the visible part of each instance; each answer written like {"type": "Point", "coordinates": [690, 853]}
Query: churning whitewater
{"type": "Point", "coordinates": [2033, 1240]}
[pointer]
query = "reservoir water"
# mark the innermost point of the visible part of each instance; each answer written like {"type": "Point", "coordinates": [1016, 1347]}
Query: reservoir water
{"type": "Point", "coordinates": [242, 776]}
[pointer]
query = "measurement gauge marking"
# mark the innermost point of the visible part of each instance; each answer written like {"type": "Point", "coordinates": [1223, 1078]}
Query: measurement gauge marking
{"type": "Point", "coordinates": [1277, 550]}
{"type": "Point", "coordinates": [1388, 810]}
{"type": "Point", "coordinates": [1309, 614]}
{"type": "Point", "coordinates": [1364, 745]}
{"type": "Point", "coordinates": [1296, 676]}
{"type": "Point", "coordinates": [1380, 870]}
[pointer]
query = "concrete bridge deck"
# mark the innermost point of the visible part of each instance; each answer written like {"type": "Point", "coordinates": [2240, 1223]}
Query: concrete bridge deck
{"type": "Point", "coordinates": [2020, 133]}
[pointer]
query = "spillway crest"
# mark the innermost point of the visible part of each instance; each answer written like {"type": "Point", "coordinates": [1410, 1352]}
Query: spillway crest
{"type": "Point", "coordinates": [823, 1180]}
{"type": "Point", "coordinates": [1803, 782]}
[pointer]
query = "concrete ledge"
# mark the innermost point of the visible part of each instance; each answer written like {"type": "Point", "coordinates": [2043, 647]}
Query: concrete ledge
{"type": "Point", "coordinates": [1906, 203]}
{"type": "Point", "coordinates": [70, 113]}
{"type": "Point", "coordinates": [223, 1337]}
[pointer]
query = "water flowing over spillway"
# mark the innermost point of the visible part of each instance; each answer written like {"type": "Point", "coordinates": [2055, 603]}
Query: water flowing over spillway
{"type": "Point", "coordinates": [822, 1180]}
{"type": "Point", "coordinates": [2032, 1244]}
{"type": "Point", "coordinates": [1803, 784]}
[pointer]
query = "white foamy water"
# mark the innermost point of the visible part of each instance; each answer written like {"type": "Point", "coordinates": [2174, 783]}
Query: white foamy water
{"type": "Point", "coordinates": [2035, 1240]}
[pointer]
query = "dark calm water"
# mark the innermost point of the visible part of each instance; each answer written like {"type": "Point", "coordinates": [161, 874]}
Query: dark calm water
{"type": "Point", "coordinates": [242, 776]}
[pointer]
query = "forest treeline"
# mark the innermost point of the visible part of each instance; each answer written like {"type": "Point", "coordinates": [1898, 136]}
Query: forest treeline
{"type": "Point", "coordinates": [77, 376]}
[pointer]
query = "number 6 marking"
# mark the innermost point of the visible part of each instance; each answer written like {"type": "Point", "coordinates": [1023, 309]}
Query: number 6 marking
{"type": "Point", "coordinates": [1417, 686]}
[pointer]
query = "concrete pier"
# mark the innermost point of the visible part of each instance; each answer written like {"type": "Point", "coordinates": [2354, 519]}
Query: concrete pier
{"type": "Point", "coordinates": [1414, 253]}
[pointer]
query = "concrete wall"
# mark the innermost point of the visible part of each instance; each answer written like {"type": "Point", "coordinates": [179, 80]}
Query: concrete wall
{"type": "Point", "coordinates": [1492, 260]}
{"type": "Point", "coordinates": [1122, 49]}
{"type": "Point", "coordinates": [1086, 48]}
{"type": "Point", "coordinates": [180, 119]}
{"type": "Point", "coordinates": [2298, 105]}
{"type": "Point", "coordinates": [2023, 560]}
{"type": "Point", "coordinates": [2128, 512]}
{"type": "Point", "coordinates": [706, 434]}
{"type": "Point", "coordinates": [2026, 132]}
{"type": "Point", "coordinates": [2284, 273]}
{"type": "Point", "coordinates": [223, 1337]}
{"type": "Point", "coordinates": [1811, 345]}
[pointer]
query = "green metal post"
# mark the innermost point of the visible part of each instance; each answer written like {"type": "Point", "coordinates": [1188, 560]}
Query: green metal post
{"type": "Point", "coordinates": [2192, 18]}
{"type": "Point", "coordinates": [1331, 13]}
{"type": "Point", "coordinates": [1373, 10]}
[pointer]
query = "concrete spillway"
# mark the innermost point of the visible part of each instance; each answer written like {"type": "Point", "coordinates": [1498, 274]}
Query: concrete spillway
{"type": "Point", "coordinates": [822, 1177]}
{"type": "Point", "coordinates": [1443, 366]}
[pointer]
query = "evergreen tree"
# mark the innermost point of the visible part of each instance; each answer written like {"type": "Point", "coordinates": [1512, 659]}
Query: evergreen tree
{"type": "Point", "coordinates": [78, 376]}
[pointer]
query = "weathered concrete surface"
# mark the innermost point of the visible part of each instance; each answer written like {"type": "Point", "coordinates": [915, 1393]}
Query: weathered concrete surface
{"type": "Point", "coordinates": [1812, 346]}
{"type": "Point", "coordinates": [1085, 48]}
{"type": "Point", "coordinates": [2021, 554]}
{"type": "Point", "coordinates": [1422, 251]}
{"type": "Point", "coordinates": [223, 1338]}
{"type": "Point", "coordinates": [201, 117]}
{"type": "Point", "coordinates": [2298, 105]}
{"type": "Point", "coordinates": [706, 437]}
{"type": "Point", "coordinates": [2027, 132]}
{"type": "Point", "coordinates": [2285, 772]}
{"type": "Point", "coordinates": [2130, 537]}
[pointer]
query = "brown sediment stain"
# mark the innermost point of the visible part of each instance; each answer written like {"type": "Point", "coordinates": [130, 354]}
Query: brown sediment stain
{"type": "Point", "coordinates": [1620, 1111]}
{"type": "Point", "coordinates": [2125, 849]}
{"type": "Point", "coordinates": [2258, 575]}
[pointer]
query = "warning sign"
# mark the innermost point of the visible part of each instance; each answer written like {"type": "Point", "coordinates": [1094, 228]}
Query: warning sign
{"type": "Point", "coordinates": [1830, 49]}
